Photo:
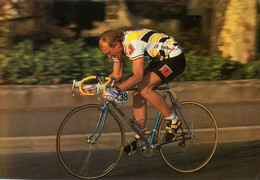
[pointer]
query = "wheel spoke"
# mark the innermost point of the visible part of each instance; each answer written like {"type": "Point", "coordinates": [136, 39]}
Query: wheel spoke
{"type": "Point", "coordinates": [78, 154]}
{"type": "Point", "coordinates": [197, 142]}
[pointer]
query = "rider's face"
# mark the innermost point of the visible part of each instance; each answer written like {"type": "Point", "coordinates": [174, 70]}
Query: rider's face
{"type": "Point", "coordinates": [114, 51]}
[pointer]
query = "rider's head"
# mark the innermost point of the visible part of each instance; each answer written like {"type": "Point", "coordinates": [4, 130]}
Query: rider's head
{"type": "Point", "coordinates": [110, 43]}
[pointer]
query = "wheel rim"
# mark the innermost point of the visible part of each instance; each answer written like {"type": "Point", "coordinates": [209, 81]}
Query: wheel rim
{"type": "Point", "coordinates": [196, 152]}
{"type": "Point", "coordinates": [81, 157]}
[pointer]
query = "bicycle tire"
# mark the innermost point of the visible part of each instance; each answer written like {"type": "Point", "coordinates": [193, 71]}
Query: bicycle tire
{"type": "Point", "coordinates": [192, 154]}
{"type": "Point", "coordinates": [84, 159]}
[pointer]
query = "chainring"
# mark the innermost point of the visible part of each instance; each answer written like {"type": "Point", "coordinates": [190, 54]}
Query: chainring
{"type": "Point", "coordinates": [143, 149]}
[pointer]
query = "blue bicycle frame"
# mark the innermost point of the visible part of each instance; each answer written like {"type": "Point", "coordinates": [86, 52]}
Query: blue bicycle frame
{"type": "Point", "coordinates": [105, 109]}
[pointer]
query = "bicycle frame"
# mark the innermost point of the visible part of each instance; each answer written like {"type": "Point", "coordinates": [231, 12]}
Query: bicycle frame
{"type": "Point", "coordinates": [89, 122]}
{"type": "Point", "coordinates": [174, 102]}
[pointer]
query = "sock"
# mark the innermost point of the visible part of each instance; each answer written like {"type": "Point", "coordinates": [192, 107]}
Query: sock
{"type": "Point", "coordinates": [173, 118]}
{"type": "Point", "coordinates": [137, 136]}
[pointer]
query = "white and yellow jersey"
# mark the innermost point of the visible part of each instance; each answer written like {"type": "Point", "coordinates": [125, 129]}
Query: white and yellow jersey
{"type": "Point", "coordinates": [148, 44]}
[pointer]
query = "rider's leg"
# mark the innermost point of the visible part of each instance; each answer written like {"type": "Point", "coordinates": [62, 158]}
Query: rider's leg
{"type": "Point", "coordinates": [152, 80]}
{"type": "Point", "coordinates": [145, 91]}
{"type": "Point", "coordinates": [139, 109]}
{"type": "Point", "coordinates": [139, 114]}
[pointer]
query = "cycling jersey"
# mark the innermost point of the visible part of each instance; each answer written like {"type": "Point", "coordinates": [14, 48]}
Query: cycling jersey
{"type": "Point", "coordinates": [148, 44]}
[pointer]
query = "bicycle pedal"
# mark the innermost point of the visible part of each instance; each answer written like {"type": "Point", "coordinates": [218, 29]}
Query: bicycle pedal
{"type": "Point", "coordinates": [182, 144]}
{"type": "Point", "coordinates": [132, 153]}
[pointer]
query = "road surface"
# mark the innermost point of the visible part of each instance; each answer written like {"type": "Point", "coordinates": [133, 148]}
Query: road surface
{"type": "Point", "coordinates": [233, 159]}
{"type": "Point", "coordinates": [239, 160]}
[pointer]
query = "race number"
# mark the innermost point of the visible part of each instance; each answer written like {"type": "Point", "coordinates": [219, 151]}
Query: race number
{"type": "Point", "coordinates": [123, 97]}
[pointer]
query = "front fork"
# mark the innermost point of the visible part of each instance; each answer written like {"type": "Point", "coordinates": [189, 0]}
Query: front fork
{"type": "Point", "coordinates": [100, 124]}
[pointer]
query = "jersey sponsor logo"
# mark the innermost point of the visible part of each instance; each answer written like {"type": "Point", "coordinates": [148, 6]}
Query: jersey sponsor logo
{"type": "Point", "coordinates": [166, 71]}
{"type": "Point", "coordinates": [131, 49]}
{"type": "Point", "coordinates": [156, 46]}
{"type": "Point", "coordinates": [166, 48]}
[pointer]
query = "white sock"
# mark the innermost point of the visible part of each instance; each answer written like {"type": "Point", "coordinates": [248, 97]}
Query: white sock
{"type": "Point", "coordinates": [173, 118]}
{"type": "Point", "coordinates": [137, 136]}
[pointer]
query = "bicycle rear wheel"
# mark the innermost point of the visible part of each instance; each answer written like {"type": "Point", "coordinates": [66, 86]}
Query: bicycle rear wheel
{"type": "Point", "coordinates": [190, 154]}
{"type": "Point", "coordinates": [75, 147]}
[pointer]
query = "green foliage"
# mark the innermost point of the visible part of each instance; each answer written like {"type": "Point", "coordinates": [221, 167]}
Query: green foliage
{"type": "Point", "coordinates": [95, 63]}
{"type": "Point", "coordinates": [60, 62]}
{"type": "Point", "coordinates": [252, 70]}
{"type": "Point", "coordinates": [217, 68]}
{"type": "Point", "coordinates": [21, 64]}
{"type": "Point", "coordinates": [4, 53]}
{"type": "Point", "coordinates": [3, 36]}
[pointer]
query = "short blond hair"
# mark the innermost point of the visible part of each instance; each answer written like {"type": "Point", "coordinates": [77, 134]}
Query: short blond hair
{"type": "Point", "coordinates": [112, 36]}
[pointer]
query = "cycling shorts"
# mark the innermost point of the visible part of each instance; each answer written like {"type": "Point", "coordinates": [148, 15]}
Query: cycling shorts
{"type": "Point", "coordinates": [167, 69]}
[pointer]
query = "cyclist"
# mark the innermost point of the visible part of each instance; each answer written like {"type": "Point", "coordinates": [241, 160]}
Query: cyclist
{"type": "Point", "coordinates": [167, 62]}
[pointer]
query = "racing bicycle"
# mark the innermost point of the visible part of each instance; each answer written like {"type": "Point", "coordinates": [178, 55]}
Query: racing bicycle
{"type": "Point", "coordinates": [91, 139]}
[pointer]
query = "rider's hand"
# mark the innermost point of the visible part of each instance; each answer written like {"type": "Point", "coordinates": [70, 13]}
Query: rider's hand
{"type": "Point", "coordinates": [111, 94]}
{"type": "Point", "coordinates": [89, 87]}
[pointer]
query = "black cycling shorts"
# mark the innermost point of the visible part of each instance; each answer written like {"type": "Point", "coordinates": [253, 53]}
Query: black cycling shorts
{"type": "Point", "coordinates": [167, 69]}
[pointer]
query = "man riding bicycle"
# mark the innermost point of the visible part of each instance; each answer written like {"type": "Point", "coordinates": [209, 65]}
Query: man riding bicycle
{"type": "Point", "coordinates": [168, 61]}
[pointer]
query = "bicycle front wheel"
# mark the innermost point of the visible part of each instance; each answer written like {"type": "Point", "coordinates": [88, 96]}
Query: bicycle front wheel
{"type": "Point", "coordinates": [196, 140]}
{"type": "Point", "coordinates": [76, 148]}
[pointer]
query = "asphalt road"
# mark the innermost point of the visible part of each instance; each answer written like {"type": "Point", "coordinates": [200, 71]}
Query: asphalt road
{"type": "Point", "coordinates": [233, 160]}
{"type": "Point", "coordinates": [45, 122]}
{"type": "Point", "coordinates": [239, 160]}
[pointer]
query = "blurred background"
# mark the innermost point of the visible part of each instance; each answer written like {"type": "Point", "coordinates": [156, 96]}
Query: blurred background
{"type": "Point", "coordinates": [49, 42]}
{"type": "Point", "coordinates": [55, 41]}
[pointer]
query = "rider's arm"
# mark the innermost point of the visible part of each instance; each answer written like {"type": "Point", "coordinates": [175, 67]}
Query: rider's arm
{"type": "Point", "coordinates": [117, 70]}
{"type": "Point", "coordinates": [138, 74]}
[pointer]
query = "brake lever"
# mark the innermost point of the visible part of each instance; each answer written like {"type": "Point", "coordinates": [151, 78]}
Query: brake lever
{"type": "Point", "coordinates": [75, 84]}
